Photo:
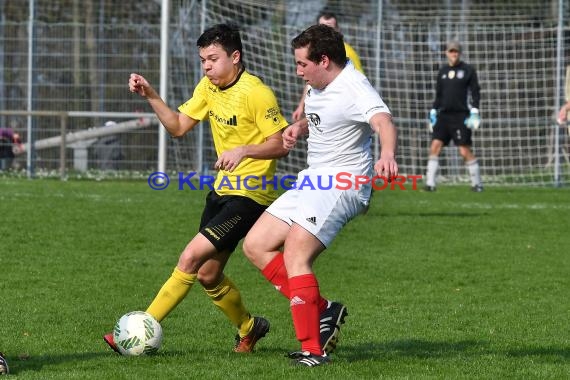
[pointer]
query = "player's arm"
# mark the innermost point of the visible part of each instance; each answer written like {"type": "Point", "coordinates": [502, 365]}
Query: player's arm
{"type": "Point", "coordinates": [382, 124]}
{"type": "Point", "coordinates": [475, 90]}
{"type": "Point", "coordinates": [270, 149]}
{"type": "Point", "coordinates": [563, 113]}
{"type": "Point", "coordinates": [300, 110]}
{"type": "Point", "coordinates": [474, 119]}
{"type": "Point", "coordinates": [177, 124]}
{"type": "Point", "coordinates": [438, 92]}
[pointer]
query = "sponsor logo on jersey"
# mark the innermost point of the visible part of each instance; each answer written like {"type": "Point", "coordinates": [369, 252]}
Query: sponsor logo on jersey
{"type": "Point", "coordinates": [312, 220]}
{"type": "Point", "coordinates": [232, 120]}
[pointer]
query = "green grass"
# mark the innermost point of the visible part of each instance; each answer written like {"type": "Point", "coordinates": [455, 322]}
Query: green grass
{"type": "Point", "coordinates": [449, 285]}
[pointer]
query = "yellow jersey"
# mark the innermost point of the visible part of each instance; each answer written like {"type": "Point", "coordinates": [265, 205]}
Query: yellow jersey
{"type": "Point", "coordinates": [351, 54]}
{"type": "Point", "coordinates": [244, 113]}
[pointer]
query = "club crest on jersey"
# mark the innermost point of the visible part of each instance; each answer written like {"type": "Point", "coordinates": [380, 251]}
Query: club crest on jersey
{"type": "Point", "coordinates": [314, 120]}
{"type": "Point", "coordinates": [451, 74]}
{"type": "Point", "coordinates": [460, 74]}
{"type": "Point", "coordinates": [273, 113]}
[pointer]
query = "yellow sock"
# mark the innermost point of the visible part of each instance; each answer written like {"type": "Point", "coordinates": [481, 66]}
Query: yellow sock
{"type": "Point", "coordinates": [227, 298]}
{"type": "Point", "coordinates": [171, 294]}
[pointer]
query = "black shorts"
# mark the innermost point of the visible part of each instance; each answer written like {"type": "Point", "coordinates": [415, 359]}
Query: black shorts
{"type": "Point", "coordinates": [451, 126]}
{"type": "Point", "coordinates": [227, 219]}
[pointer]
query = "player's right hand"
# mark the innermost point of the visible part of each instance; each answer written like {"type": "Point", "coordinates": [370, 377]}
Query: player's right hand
{"type": "Point", "coordinates": [139, 85]}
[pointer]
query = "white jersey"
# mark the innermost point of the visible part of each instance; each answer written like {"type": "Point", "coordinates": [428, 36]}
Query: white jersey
{"type": "Point", "coordinates": [340, 135]}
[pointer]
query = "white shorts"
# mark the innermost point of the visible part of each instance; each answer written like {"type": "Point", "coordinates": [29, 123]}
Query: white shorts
{"type": "Point", "coordinates": [321, 209]}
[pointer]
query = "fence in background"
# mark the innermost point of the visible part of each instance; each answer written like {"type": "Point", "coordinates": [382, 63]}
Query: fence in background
{"type": "Point", "coordinates": [66, 56]}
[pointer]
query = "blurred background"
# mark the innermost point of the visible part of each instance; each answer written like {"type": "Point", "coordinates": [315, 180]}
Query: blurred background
{"type": "Point", "coordinates": [64, 68]}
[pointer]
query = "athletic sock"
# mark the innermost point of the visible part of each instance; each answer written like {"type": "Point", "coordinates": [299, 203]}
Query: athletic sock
{"type": "Point", "coordinates": [276, 273]}
{"type": "Point", "coordinates": [304, 310]}
{"type": "Point", "coordinates": [227, 298]}
{"type": "Point", "coordinates": [474, 174]}
{"type": "Point", "coordinates": [171, 294]}
{"type": "Point", "coordinates": [433, 165]}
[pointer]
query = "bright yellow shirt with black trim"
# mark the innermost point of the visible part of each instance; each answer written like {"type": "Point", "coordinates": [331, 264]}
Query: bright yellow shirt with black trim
{"type": "Point", "coordinates": [244, 113]}
{"type": "Point", "coordinates": [353, 56]}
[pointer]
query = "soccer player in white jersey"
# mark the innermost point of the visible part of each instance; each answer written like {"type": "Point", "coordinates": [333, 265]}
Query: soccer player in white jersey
{"type": "Point", "coordinates": [343, 110]}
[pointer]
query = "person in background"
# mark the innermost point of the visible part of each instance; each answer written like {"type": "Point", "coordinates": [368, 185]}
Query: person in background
{"type": "Point", "coordinates": [9, 141]}
{"type": "Point", "coordinates": [563, 113]}
{"type": "Point", "coordinates": [451, 118]}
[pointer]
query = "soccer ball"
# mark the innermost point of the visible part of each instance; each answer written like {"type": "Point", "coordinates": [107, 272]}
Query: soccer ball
{"type": "Point", "coordinates": [137, 333]}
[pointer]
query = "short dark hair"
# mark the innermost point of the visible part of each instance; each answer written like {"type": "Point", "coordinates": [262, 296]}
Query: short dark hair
{"type": "Point", "coordinates": [327, 15]}
{"type": "Point", "coordinates": [321, 40]}
{"type": "Point", "coordinates": [225, 35]}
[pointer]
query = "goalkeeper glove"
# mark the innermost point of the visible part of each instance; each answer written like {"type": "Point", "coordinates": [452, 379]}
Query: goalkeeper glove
{"type": "Point", "coordinates": [432, 119]}
{"type": "Point", "coordinates": [474, 119]}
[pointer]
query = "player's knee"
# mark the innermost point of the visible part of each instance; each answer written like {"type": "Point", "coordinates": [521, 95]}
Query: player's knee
{"type": "Point", "coordinates": [188, 261]}
{"type": "Point", "coordinates": [250, 248]}
{"type": "Point", "coordinates": [209, 278]}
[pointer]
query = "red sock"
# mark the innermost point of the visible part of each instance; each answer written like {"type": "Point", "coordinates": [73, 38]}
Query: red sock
{"type": "Point", "coordinates": [305, 311]}
{"type": "Point", "coordinates": [276, 273]}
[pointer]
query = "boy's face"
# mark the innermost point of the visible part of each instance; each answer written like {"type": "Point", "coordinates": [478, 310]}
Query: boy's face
{"type": "Point", "coordinates": [452, 57]}
{"type": "Point", "coordinates": [311, 72]}
{"type": "Point", "coordinates": [218, 66]}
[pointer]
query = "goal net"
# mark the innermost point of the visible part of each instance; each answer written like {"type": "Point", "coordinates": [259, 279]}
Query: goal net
{"type": "Point", "coordinates": [83, 52]}
{"type": "Point", "coordinates": [401, 45]}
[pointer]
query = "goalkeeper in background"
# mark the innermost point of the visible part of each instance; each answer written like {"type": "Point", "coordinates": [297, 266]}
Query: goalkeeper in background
{"type": "Point", "coordinates": [329, 19]}
{"type": "Point", "coordinates": [451, 118]}
{"type": "Point", "coordinates": [246, 124]}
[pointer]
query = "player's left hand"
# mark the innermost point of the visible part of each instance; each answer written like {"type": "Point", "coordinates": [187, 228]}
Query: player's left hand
{"type": "Point", "coordinates": [386, 166]}
{"type": "Point", "coordinates": [230, 159]}
{"type": "Point", "coordinates": [474, 119]}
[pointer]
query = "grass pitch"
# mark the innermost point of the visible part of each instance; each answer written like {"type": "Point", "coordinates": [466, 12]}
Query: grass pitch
{"type": "Point", "coordinates": [450, 284]}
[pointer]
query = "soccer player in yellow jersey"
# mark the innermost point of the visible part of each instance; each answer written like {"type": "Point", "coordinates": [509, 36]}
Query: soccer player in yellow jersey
{"type": "Point", "coordinates": [247, 124]}
{"type": "Point", "coordinates": [328, 18]}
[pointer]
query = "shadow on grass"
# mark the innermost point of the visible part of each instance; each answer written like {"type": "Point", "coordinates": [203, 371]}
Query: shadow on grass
{"type": "Point", "coordinates": [422, 349]}
{"type": "Point", "coordinates": [453, 214]}
{"type": "Point", "coordinates": [24, 363]}
{"type": "Point", "coordinates": [20, 364]}
{"type": "Point", "coordinates": [409, 348]}
{"type": "Point", "coordinates": [543, 352]}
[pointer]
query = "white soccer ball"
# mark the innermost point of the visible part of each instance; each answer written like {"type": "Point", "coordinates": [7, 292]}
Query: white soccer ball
{"type": "Point", "coordinates": [137, 333]}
